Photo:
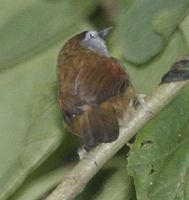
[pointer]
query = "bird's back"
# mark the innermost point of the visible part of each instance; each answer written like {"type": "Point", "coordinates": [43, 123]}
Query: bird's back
{"type": "Point", "coordinates": [94, 92]}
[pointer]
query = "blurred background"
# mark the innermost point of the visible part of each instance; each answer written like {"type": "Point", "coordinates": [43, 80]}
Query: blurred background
{"type": "Point", "coordinates": [35, 150]}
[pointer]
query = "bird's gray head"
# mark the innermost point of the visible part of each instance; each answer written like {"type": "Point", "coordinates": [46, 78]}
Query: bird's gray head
{"type": "Point", "coordinates": [94, 41]}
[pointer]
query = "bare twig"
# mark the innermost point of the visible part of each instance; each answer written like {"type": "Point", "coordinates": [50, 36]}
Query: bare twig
{"type": "Point", "coordinates": [81, 174]}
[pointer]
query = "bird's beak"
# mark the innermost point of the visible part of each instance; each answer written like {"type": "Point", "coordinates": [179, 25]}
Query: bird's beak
{"type": "Point", "coordinates": [103, 33]}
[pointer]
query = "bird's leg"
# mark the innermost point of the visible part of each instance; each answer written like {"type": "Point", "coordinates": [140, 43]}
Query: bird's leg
{"type": "Point", "coordinates": [84, 153]}
{"type": "Point", "coordinates": [140, 100]}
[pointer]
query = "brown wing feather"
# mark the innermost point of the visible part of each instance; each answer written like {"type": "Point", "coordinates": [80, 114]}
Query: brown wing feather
{"type": "Point", "coordinates": [96, 83]}
{"type": "Point", "coordinates": [89, 90]}
{"type": "Point", "coordinates": [99, 125]}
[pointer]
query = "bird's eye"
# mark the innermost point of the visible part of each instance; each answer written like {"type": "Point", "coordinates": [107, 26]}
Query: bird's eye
{"type": "Point", "coordinates": [92, 35]}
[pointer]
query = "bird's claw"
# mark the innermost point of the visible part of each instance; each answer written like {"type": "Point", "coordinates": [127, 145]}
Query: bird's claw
{"type": "Point", "coordinates": [140, 100]}
{"type": "Point", "coordinates": [84, 154]}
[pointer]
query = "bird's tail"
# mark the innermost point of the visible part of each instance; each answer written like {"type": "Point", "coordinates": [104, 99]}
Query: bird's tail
{"type": "Point", "coordinates": [97, 125]}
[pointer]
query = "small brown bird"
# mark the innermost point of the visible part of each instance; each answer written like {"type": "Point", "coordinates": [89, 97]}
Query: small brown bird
{"type": "Point", "coordinates": [94, 88]}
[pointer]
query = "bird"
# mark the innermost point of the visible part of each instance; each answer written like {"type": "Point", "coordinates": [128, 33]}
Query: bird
{"type": "Point", "coordinates": [94, 88]}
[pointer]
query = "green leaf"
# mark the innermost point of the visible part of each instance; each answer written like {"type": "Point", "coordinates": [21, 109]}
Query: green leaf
{"type": "Point", "coordinates": [184, 28]}
{"type": "Point", "coordinates": [34, 25]}
{"type": "Point", "coordinates": [30, 119]}
{"type": "Point", "coordinates": [159, 159]}
{"type": "Point", "coordinates": [46, 176]}
{"type": "Point", "coordinates": [148, 76]}
{"type": "Point", "coordinates": [145, 26]}
{"type": "Point", "coordinates": [84, 8]}
{"type": "Point", "coordinates": [37, 188]}
{"type": "Point", "coordinates": [110, 183]}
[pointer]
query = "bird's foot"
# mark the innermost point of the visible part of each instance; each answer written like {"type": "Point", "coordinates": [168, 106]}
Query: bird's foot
{"type": "Point", "coordinates": [83, 153]}
{"type": "Point", "coordinates": [140, 100]}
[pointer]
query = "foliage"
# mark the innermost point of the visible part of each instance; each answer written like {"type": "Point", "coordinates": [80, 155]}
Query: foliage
{"type": "Point", "coordinates": [36, 151]}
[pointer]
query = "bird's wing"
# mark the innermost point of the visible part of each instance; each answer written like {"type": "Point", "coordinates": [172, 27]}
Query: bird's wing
{"type": "Point", "coordinates": [100, 80]}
